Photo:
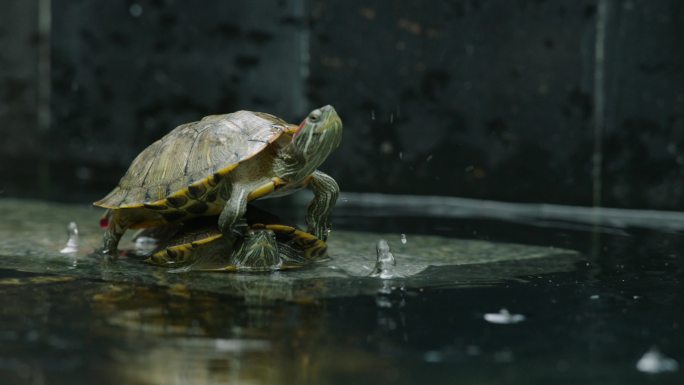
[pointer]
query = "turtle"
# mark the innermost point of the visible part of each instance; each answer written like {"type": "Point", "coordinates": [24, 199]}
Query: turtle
{"type": "Point", "coordinates": [266, 244]}
{"type": "Point", "coordinates": [217, 165]}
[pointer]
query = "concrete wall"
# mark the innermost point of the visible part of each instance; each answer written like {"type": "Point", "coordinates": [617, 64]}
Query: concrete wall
{"type": "Point", "coordinates": [576, 102]}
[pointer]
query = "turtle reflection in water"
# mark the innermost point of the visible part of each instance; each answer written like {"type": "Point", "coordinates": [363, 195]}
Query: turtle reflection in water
{"type": "Point", "coordinates": [267, 245]}
{"type": "Point", "coordinates": [214, 167]}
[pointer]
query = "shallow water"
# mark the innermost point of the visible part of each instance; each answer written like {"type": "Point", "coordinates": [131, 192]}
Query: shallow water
{"type": "Point", "coordinates": [594, 300]}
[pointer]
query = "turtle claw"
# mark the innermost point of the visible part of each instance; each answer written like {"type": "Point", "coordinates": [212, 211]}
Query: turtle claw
{"type": "Point", "coordinates": [107, 254]}
{"type": "Point", "coordinates": [320, 232]}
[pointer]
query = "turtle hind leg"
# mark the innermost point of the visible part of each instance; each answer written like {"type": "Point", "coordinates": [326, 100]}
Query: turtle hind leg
{"type": "Point", "coordinates": [291, 256]}
{"type": "Point", "coordinates": [258, 252]}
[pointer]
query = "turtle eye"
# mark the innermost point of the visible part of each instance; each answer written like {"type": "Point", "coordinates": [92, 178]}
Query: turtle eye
{"type": "Point", "coordinates": [315, 115]}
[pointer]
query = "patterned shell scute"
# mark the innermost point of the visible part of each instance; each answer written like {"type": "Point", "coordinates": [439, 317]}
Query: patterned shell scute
{"type": "Point", "coordinates": [192, 152]}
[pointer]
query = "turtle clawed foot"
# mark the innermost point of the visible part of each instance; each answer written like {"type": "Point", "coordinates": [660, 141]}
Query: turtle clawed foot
{"type": "Point", "coordinates": [108, 254]}
{"type": "Point", "coordinates": [321, 232]}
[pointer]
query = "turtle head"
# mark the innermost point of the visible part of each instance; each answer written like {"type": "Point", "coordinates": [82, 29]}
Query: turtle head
{"type": "Point", "coordinates": [317, 136]}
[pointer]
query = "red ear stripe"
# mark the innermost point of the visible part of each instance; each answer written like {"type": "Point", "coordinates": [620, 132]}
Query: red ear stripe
{"type": "Point", "coordinates": [104, 222]}
{"type": "Point", "coordinates": [299, 129]}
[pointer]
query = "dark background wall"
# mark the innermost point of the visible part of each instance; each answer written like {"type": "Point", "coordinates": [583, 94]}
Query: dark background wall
{"type": "Point", "coordinates": [576, 102]}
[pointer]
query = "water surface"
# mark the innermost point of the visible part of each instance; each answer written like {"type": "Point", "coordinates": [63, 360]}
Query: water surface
{"type": "Point", "coordinates": [594, 301]}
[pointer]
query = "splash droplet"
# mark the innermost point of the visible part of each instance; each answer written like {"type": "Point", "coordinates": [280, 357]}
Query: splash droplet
{"type": "Point", "coordinates": [71, 246]}
{"type": "Point", "coordinates": [654, 362]}
{"type": "Point", "coordinates": [503, 317]}
{"type": "Point", "coordinates": [385, 263]}
{"type": "Point", "coordinates": [403, 239]}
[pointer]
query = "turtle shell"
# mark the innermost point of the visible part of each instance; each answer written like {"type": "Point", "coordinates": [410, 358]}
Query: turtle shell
{"type": "Point", "coordinates": [193, 155]}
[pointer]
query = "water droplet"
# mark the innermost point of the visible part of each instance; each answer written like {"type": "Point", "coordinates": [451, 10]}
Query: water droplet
{"type": "Point", "coordinates": [71, 246]}
{"type": "Point", "coordinates": [429, 158]}
{"type": "Point", "coordinates": [504, 317]}
{"type": "Point", "coordinates": [386, 147]}
{"type": "Point", "coordinates": [595, 296]}
{"type": "Point", "coordinates": [654, 362]}
{"type": "Point", "coordinates": [473, 350]}
{"type": "Point", "coordinates": [432, 356]}
{"type": "Point", "coordinates": [505, 355]}
{"type": "Point", "coordinates": [391, 117]}
{"type": "Point", "coordinates": [383, 302]}
{"type": "Point", "coordinates": [83, 173]}
{"type": "Point", "coordinates": [372, 114]}
{"type": "Point", "coordinates": [136, 10]}
{"type": "Point", "coordinates": [401, 155]}
{"type": "Point", "coordinates": [403, 239]}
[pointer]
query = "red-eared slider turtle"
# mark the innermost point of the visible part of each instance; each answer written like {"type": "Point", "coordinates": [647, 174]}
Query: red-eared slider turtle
{"type": "Point", "coordinates": [218, 164]}
{"type": "Point", "coordinates": [260, 247]}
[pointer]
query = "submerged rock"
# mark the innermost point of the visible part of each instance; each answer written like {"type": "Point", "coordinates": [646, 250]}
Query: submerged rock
{"type": "Point", "coordinates": [32, 232]}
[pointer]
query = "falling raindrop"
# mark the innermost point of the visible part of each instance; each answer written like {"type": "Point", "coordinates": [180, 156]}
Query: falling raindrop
{"type": "Point", "coordinates": [505, 355]}
{"type": "Point", "coordinates": [386, 147]}
{"type": "Point", "coordinates": [71, 246]}
{"type": "Point", "coordinates": [391, 117]}
{"type": "Point", "coordinates": [136, 10]}
{"type": "Point", "coordinates": [401, 155]}
{"type": "Point", "coordinates": [473, 350]}
{"type": "Point", "coordinates": [432, 356]}
{"type": "Point", "coordinates": [372, 114]}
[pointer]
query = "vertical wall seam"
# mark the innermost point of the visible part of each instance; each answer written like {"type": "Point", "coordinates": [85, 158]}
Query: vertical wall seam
{"type": "Point", "coordinates": [304, 42]}
{"type": "Point", "coordinates": [44, 66]}
{"type": "Point", "coordinates": [599, 101]}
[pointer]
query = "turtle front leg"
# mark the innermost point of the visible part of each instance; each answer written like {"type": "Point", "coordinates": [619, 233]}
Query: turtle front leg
{"type": "Point", "coordinates": [116, 227]}
{"type": "Point", "coordinates": [234, 209]}
{"type": "Point", "coordinates": [325, 191]}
